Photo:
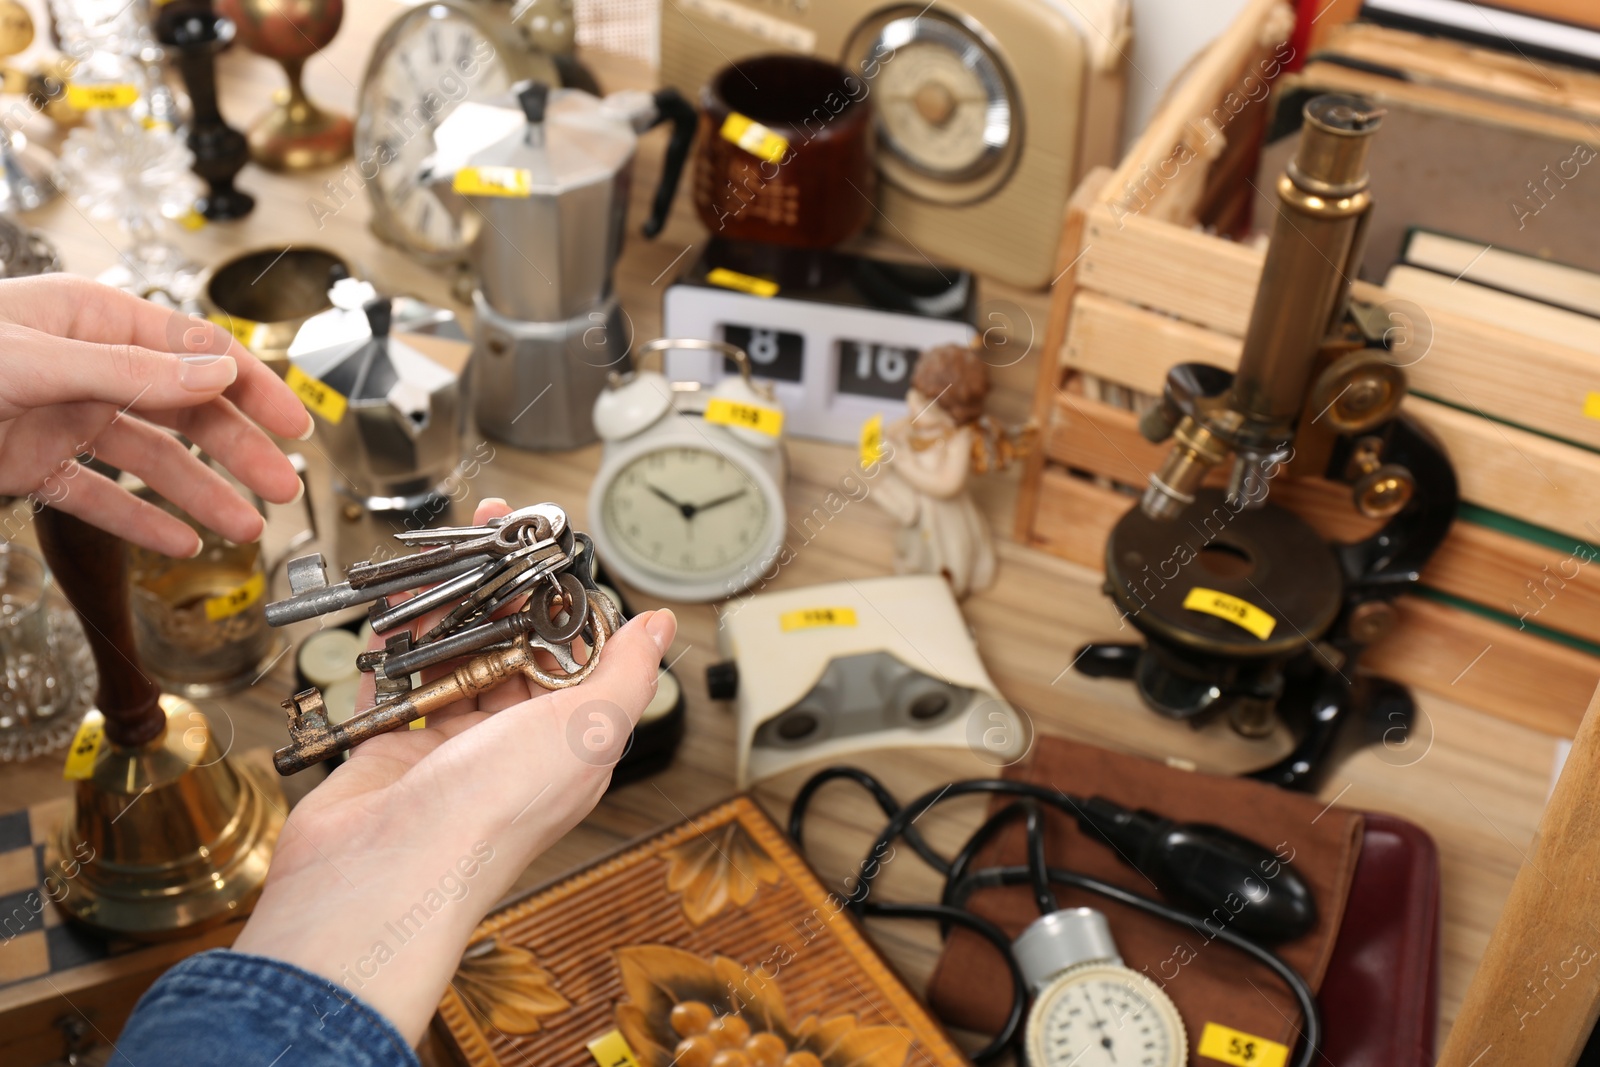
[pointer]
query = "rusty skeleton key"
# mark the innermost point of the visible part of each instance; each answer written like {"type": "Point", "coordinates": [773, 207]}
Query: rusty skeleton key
{"type": "Point", "coordinates": [312, 738]}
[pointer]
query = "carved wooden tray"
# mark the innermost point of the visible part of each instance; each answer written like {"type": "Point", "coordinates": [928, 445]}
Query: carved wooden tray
{"type": "Point", "coordinates": [718, 911]}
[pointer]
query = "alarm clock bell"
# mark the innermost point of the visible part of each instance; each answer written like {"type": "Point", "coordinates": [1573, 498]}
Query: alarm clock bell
{"type": "Point", "coordinates": [831, 671]}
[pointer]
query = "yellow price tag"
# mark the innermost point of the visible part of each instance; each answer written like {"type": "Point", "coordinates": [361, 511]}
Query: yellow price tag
{"type": "Point", "coordinates": [816, 619]}
{"type": "Point", "coordinates": [235, 600]}
{"type": "Point", "coordinates": [724, 412]}
{"type": "Point", "coordinates": [755, 138]}
{"type": "Point", "coordinates": [744, 283]}
{"type": "Point", "coordinates": [1591, 406]}
{"type": "Point", "coordinates": [243, 330]}
{"type": "Point", "coordinates": [86, 745]}
{"type": "Point", "coordinates": [871, 441]}
{"type": "Point", "coordinates": [320, 397]}
{"type": "Point", "coordinates": [1227, 1045]}
{"type": "Point", "coordinates": [494, 181]}
{"type": "Point", "coordinates": [613, 1050]}
{"type": "Point", "coordinates": [1239, 612]}
{"type": "Point", "coordinates": [92, 97]}
{"type": "Point", "coordinates": [420, 724]}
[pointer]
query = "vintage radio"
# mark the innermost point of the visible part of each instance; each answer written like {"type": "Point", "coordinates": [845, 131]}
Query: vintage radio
{"type": "Point", "coordinates": [988, 111]}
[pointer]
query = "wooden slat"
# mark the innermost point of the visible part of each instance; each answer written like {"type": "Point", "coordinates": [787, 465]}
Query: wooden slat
{"type": "Point", "coordinates": [1543, 481]}
{"type": "Point", "coordinates": [1258, 30]}
{"type": "Point", "coordinates": [1183, 272]}
{"type": "Point", "coordinates": [1067, 260]}
{"type": "Point", "coordinates": [1550, 587]}
{"type": "Point", "coordinates": [1478, 662]}
{"type": "Point", "coordinates": [1212, 282]}
{"type": "Point", "coordinates": [1536, 994]}
{"type": "Point", "coordinates": [1464, 657]}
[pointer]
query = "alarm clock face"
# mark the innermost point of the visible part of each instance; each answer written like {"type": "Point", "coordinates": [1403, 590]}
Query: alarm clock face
{"type": "Point", "coordinates": [431, 59]}
{"type": "Point", "coordinates": [948, 119]}
{"type": "Point", "coordinates": [1103, 1015]}
{"type": "Point", "coordinates": [686, 513]}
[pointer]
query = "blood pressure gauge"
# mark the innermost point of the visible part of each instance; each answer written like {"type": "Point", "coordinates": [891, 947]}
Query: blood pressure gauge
{"type": "Point", "coordinates": [1088, 1009]}
{"type": "Point", "coordinates": [948, 119]}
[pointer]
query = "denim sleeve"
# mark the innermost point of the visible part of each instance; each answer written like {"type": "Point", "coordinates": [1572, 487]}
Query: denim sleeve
{"type": "Point", "coordinates": [223, 1009]}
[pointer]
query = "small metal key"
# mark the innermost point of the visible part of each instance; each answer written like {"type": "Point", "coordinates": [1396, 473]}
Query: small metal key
{"type": "Point", "coordinates": [503, 541]}
{"type": "Point", "coordinates": [313, 738]}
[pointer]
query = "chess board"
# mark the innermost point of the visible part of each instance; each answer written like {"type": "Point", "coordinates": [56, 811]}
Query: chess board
{"type": "Point", "coordinates": [56, 978]}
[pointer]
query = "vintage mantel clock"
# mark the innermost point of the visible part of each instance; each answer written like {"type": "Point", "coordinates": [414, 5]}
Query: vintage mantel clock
{"type": "Point", "coordinates": [430, 59]}
{"type": "Point", "coordinates": [988, 111]}
{"type": "Point", "coordinates": [688, 502]}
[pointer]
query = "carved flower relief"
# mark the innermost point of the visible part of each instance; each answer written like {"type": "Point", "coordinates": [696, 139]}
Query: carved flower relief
{"type": "Point", "coordinates": [505, 985]}
{"type": "Point", "coordinates": [683, 1011]}
{"type": "Point", "coordinates": [719, 868]}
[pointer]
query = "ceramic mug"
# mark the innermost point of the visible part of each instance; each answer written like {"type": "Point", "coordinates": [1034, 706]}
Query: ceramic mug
{"type": "Point", "coordinates": [785, 153]}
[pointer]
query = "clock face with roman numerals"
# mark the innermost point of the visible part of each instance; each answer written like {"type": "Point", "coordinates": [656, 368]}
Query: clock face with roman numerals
{"type": "Point", "coordinates": [431, 59]}
{"type": "Point", "coordinates": [1103, 1015]}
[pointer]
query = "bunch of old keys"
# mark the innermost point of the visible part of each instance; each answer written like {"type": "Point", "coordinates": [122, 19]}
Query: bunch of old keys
{"type": "Point", "coordinates": [530, 556]}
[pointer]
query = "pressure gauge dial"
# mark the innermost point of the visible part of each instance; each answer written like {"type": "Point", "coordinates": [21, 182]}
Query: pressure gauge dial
{"type": "Point", "coordinates": [1104, 1015]}
{"type": "Point", "coordinates": [1088, 1009]}
{"type": "Point", "coordinates": [949, 122]}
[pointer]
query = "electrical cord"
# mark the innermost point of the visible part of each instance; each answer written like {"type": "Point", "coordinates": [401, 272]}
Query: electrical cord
{"type": "Point", "coordinates": [1096, 816]}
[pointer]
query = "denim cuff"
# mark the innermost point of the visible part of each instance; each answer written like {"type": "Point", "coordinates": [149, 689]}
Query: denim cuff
{"type": "Point", "coordinates": [222, 1008]}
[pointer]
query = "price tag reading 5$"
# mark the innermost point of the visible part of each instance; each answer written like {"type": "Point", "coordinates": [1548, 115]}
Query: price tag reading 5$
{"type": "Point", "coordinates": [1241, 613]}
{"type": "Point", "coordinates": [757, 417]}
{"type": "Point", "coordinates": [1227, 1045]}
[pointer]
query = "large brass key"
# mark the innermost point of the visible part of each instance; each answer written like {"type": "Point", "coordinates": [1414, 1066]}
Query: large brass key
{"type": "Point", "coordinates": [312, 738]}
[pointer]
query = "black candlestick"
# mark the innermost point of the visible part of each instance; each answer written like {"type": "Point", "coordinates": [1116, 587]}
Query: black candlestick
{"type": "Point", "coordinates": [220, 151]}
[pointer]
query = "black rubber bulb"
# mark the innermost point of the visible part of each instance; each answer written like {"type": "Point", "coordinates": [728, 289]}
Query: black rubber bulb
{"type": "Point", "coordinates": [1220, 877]}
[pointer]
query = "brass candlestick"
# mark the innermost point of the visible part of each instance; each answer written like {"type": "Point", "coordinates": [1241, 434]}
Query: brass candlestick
{"type": "Point", "coordinates": [181, 837]}
{"type": "Point", "coordinates": [296, 134]}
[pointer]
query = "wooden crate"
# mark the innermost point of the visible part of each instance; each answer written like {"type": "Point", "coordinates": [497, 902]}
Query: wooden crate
{"type": "Point", "coordinates": [1145, 287]}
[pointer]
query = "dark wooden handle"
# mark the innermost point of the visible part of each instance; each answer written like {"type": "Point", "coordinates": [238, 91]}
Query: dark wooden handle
{"type": "Point", "coordinates": [90, 566]}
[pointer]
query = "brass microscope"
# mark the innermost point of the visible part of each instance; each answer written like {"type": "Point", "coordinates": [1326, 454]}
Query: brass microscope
{"type": "Point", "coordinates": [1247, 611]}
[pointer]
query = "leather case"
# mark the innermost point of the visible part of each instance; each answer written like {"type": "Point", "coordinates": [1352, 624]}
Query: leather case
{"type": "Point", "coordinates": [1380, 997]}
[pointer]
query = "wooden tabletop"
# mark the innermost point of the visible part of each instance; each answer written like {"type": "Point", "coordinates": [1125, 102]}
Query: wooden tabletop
{"type": "Point", "coordinates": [1476, 783]}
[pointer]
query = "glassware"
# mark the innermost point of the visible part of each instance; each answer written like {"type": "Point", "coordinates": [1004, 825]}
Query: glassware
{"type": "Point", "coordinates": [200, 624]}
{"type": "Point", "coordinates": [47, 676]}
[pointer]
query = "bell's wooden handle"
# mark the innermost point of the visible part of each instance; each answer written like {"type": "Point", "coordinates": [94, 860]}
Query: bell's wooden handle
{"type": "Point", "coordinates": [90, 566]}
{"type": "Point", "coordinates": [1536, 993]}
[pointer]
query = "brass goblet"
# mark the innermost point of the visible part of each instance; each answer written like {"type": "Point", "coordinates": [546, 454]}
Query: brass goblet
{"type": "Point", "coordinates": [296, 134]}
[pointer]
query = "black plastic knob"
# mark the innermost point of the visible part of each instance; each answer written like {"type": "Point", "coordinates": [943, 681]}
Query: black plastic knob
{"type": "Point", "coordinates": [722, 680]}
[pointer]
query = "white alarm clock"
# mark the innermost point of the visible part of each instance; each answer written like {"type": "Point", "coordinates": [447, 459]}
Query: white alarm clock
{"type": "Point", "coordinates": [1089, 1009]}
{"type": "Point", "coordinates": [688, 502]}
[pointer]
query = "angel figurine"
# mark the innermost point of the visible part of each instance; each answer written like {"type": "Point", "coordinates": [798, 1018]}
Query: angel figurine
{"type": "Point", "coordinates": [930, 452]}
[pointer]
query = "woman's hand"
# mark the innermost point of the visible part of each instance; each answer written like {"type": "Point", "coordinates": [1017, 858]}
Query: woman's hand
{"type": "Point", "coordinates": [88, 368]}
{"type": "Point", "coordinates": [384, 870]}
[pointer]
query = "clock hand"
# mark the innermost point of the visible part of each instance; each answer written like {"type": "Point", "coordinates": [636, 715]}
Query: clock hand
{"type": "Point", "coordinates": [687, 510]}
{"type": "Point", "coordinates": [722, 500]}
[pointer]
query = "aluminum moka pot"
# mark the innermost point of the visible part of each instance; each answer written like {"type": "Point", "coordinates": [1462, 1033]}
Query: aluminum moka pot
{"type": "Point", "coordinates": [389, 418]}
{"type": "Point", "coordinates": [539, 179]}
